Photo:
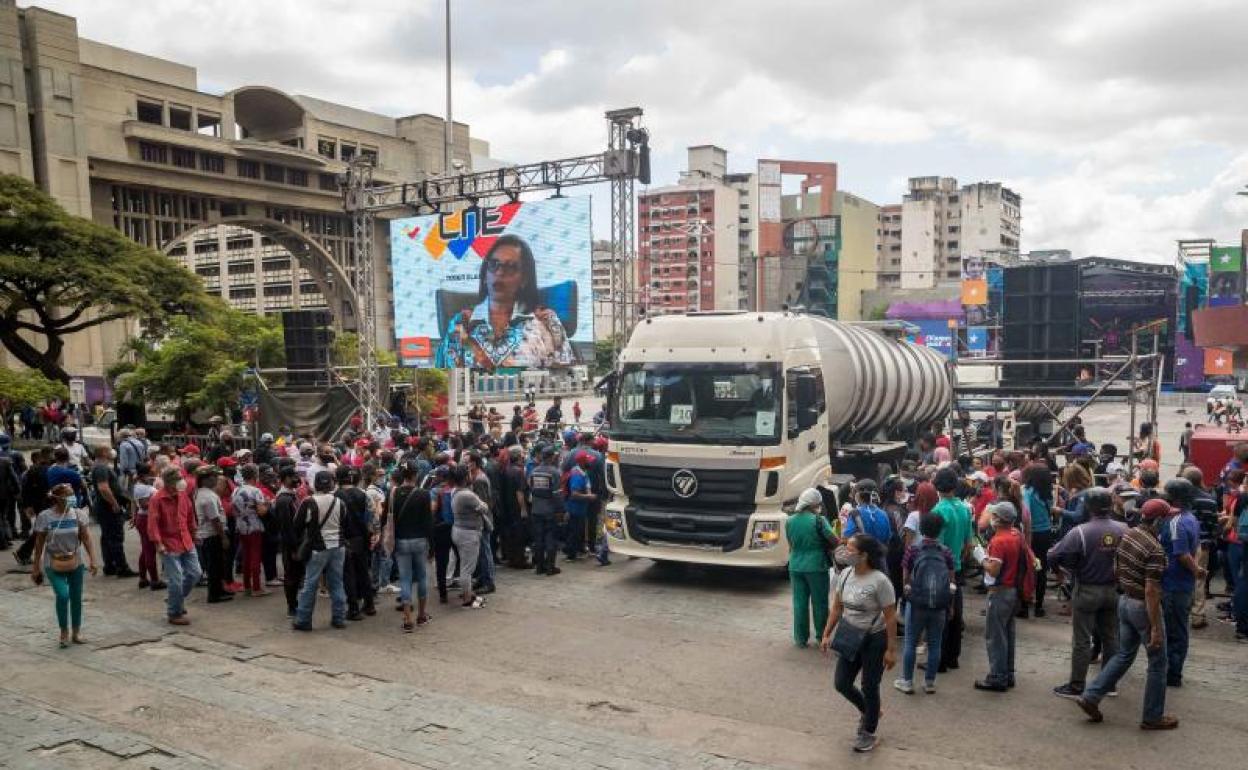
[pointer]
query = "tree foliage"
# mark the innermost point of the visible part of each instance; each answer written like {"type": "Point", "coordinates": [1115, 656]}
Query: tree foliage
{"type": "Point", "coordinates": [200, 362]}
{"type": "Point", "coordinates": [61, 274]}
{"type": "Point", "coordinates": [28, 388]}
{"type": "Point", "coordinates": [429, 386]}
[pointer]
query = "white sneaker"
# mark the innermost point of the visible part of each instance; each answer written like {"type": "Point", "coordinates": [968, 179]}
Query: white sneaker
{"type": "Point", "coordinates": [930, 689]}
{"type": "Point", "coordinates": [390, 589]}
{"type": "Point", "coordinates": [905, 685]}
{"type": "Point", "coordinates": [276, 582]}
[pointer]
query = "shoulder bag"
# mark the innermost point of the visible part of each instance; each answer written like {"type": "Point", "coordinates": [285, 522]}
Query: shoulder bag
{"type": "Point", "coordinates": [66, 562]}
{"type": "Point", "coordinates": [847, 639]}
{"type": "Point", "coordinates": [312, 536]}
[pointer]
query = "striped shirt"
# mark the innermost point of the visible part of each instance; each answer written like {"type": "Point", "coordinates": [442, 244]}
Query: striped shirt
{"type": "Point", "coordinates": [1139, 558]}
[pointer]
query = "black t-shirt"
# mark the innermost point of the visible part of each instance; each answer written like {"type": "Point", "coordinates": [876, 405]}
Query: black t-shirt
{"type": "Point", "coordinates": [283, 515]}
{"type": "Point", "coordinates": [103, 474]}
{"type": "Point", "coordinates": [517, 422]}
{"type": "Point", "coordinates": [413, 513]}
{"type": "Point", "coordinates": [512, 481]}
{"type": "Point", "coordinates": [354, 522]}
{"type": "Point", "coordinates": [554, 414]}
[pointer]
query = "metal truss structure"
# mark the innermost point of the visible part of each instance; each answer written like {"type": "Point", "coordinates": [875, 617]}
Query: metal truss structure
{"type": "Point", "coordinates": [625, 161]}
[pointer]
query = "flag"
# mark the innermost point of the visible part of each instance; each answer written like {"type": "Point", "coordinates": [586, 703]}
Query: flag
{"type": "Point", "coordinates": [975, 291]}
{"type": "Point", "coordinates": [1226, 259]}
{"type": "Point", "coordinates": [1218, 362]}
{"type": "Point", "coordinates": [977, 340]}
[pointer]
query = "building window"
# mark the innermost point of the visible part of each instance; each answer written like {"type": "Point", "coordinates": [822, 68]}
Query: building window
{"type": "Point", "coordinates": [150, 112]}
{"type": "Point", "coordinates": [153, 153]}
{"type": "Point", "coordinates": [370, 154]}
{"type": "Point", "coordinates": [326, 147]}
{"type": "Point", "coordinates": [274, 173]}
{"type": "Point", "coordinates": [214, 164]}
{"type": "Point", "coordinates": [248, 169]}
{"type": "Point", "coordinates": [348, 153]}
{"type": "Point", "coordinates": [180, 117]}
{"type": "Point", "coordinates": [951, 244]}
{"type": "Point", "coordinates": [243, 292]}
{"type": "Point", "coordinates": [328, 182]}
{"type": "Point", "coordinates": [297, 177]}
{"type": "Point", "coordinates": [183, 158]}
{"type": "Point", "coordinates": [241, 268]}
{"type": "Point", "coordinates": [278, 290]}
{"type": "Point", "coordinates": [207, 271]}
{"type": "Point", "coordinates": [296, 142]}
{"type": "Point", "coordinates": [208, 124]}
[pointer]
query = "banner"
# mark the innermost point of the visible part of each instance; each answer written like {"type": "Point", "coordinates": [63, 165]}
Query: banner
{"type": "Point", "coordinates": [975, 291]}
{"type": "Point", "coordinates": [491, 288]}
{"type": "Point", "coordinates": [1193, 293]}
{"type": "Point", "coordinates": [1189, 360]}
{"type": "Point", "coordinates": [935, 334]}
{"type": "Point", "coordinates": [1219, 362]}
{"type": "Point", "coordinates": [1226, 259]}
{"type": "Point", "coordinates": [977, 341]}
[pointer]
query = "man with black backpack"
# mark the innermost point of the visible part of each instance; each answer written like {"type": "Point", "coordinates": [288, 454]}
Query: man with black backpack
{"type": "Point", "coordinates": [930, 582]}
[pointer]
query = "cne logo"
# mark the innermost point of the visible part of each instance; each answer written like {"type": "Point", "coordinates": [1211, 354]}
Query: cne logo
{"type": "Point", "coordinates": [684, 483]}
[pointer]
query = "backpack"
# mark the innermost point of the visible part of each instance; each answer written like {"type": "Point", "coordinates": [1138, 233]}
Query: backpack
{"type": "Point", "coordinates": [1027, 577]}
{"type": "Point", "coordinates": [929, 579]}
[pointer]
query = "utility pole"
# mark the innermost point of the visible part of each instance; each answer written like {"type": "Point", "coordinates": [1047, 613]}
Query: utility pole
{"type": "Point", "coordinates": [446, 136]}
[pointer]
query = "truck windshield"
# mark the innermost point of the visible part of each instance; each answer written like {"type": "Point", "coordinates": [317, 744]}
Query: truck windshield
{"type": "Point", "coordinates": [731, 404]}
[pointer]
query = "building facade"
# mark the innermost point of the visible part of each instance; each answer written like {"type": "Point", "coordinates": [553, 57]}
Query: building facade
{"type": "Point", "coordinates": [241, 187]}
{"type": "Point", "coordinates": [688, 247]}
{"type": "Point", "coordinates": [923, 240]}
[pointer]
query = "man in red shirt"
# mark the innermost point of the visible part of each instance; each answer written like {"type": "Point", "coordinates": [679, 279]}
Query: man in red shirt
{"type": "Point", "coordinates": [171, 526]}
{"type": "Point", "coordinates": [1006, 552]}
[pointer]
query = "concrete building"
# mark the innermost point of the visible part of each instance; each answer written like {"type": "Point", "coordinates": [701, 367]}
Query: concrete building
{"type": "Point", "coordinates": [687, 239]}
{"type": "Point", "coordinates": [798, 237]}
{"type": "Point", "coordinates": [241, 186]}
{"type": "Point", "coordinates": [601, 286]}
{"type": "Point", "coordinates": [857, 263]}
{"type": "Point", "coordinates": [924, 238]}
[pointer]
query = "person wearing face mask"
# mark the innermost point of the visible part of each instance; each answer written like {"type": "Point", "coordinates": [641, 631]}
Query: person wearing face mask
{"type": "Point", "coordinates": [1139, 566]}
{"type": "Point", "coordinates": [282, 520]}
{"type": "Point", "coordinates": [112, 509]}
{"type": "Point", "coordinates": [171, 527]}
{"type": "Point", "coordinates": [1004, 566]}
{"type": "Point", "coordinates": [863, 599]}
{"type": "Point", "coordinates": [809, 535]}
{"type": "Point", "coordinates": [62, 538]}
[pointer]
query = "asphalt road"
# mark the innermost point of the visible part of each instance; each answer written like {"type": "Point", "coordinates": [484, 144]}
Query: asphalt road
{"type": "Point", "coordinates": [631, 665]}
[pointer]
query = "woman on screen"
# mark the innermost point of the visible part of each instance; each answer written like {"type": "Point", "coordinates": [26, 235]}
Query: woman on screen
{"type": "Point", "coordinates": [507, 327]}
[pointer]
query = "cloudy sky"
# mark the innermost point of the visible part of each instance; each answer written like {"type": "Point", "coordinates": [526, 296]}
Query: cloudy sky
{"type": "Point", "coordinates": [1122, 124]}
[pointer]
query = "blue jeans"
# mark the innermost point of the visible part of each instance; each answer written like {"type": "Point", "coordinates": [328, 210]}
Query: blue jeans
{"type": "Point", "coordinates": [182, 572]}
{"type": "Point", "coordinates": [411, 556]}
{"type": "Point", "coordinates": [485, 559]}
{"type": "Point", "coordinates": [930, 624]}
{"type": "Point", "coordinates": [1133, 631]}
{"type": "Point", "coordinates": [1176, 609]}
{"type": "Point", "coordinates": [999, 634]}
{"type": "Point", "coordinates": [382, 566]}
{"type": "Point", "coordinates": [1241, 596]}
{"type": "Point", "coordinates": [330, 561]}
{"type": "Point", "coordinates": [1234, 555]}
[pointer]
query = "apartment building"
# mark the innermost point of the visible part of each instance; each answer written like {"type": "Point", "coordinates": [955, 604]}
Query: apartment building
{"type": "Point", "coordinates": [923, 239]}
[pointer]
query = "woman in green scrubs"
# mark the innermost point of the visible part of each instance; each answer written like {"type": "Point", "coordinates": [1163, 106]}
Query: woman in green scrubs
{"type": "Point", "coordinates": [809, 536]}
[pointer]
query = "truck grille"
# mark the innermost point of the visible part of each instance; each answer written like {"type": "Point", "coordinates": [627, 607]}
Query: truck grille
{"type": "Point", "coordinates": [702, 528]}
{"type": "Point", "coordinates": [721, 491]}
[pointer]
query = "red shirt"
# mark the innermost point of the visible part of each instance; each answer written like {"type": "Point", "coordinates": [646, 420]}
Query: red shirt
{"type": "Point", "coordinates": [171, 521]}
{"type": "Point", "coordinates": [1007, 546]}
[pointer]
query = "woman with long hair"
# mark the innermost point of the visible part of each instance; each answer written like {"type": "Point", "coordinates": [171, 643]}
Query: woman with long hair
{"type": "Point", "coordinates": [62, 540]}
{"type": "Point", "coordinates": [862, 628]}
{"type": "Point", "coordinates": [1037, 481]}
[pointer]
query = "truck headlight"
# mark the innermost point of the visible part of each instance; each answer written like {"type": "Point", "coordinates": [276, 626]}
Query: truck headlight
{"type": "Point", "coordinates": [614, 524]}
{"type": "Point", "coordinates": [764, 535]}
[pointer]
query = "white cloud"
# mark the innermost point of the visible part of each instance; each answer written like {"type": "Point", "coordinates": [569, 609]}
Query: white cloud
{"type": "Point", "coordinates": [1097, 108]}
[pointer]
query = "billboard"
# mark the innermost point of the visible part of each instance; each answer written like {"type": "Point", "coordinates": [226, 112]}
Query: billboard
{"type": "Point", "coordinates": [493, 288]}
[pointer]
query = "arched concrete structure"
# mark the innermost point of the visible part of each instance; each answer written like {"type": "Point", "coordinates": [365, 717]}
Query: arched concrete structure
{"type": "Point", "coordinates": [330, 276]}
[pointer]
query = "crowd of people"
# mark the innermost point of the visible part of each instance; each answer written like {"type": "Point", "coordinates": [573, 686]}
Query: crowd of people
{"type": "Point", "coordinates": [1132, 561]}
{"type": "Point", "coordinates": [379, 512]}
{"type": "Point", "coordinates": [879, 578]}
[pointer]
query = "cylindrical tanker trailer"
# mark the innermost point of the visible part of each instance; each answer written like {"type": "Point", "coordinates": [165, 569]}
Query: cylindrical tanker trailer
{"type": "Point", "coordinates": [720, 420]}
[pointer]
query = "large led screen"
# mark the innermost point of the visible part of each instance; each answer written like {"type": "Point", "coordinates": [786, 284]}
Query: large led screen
{"type": "Point", "coordinates": [494, 288]}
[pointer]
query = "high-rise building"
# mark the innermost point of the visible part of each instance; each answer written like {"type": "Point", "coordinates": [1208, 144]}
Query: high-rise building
{"type": "Point", "coordinates": [798, 237]}
{"type": "Point", "coordinates": [601, 282]}
{"type": "Point", "coordinates": [924, 238]}
{"type": "Point", "coordinates": [857, 262]}
{"type": "Point", "coordinates": [687, 239]}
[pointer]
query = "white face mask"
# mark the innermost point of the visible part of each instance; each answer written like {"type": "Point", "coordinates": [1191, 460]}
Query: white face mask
{"type": "Point", "coordinates": [182, 485]}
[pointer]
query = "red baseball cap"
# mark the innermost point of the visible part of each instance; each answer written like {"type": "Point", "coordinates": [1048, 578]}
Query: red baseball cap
{"type": "Point", "coordinates": [189, 449]}
{"type": "Point", "coordinates": [1157, 509]}
{"type": "Point", "coordinates": [227, 462]}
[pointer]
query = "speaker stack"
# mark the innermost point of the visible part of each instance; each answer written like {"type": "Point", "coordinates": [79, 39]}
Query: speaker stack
{"type": "Point", "coordinates": [308, 335]}
{"type": "Point", "coordinates": [1040, 321]}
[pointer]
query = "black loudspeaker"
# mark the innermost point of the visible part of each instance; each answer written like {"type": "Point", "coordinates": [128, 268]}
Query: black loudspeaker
{"type": "Point", "coordinates": [1040, 321]}
{"type": "Point", "coordinates": [308, 338]}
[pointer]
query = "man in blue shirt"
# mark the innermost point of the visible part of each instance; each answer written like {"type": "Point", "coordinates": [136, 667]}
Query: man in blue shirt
{"type": "Point", "coordinates": [580, 494]}
{"type": "Point", "coordinates": [872, 518]}
{"type": "Point", "coordinates": [1180, 538]}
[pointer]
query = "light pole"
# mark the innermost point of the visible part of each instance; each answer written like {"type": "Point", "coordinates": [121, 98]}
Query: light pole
{"type": "Point", "coordinates": [446, 137]}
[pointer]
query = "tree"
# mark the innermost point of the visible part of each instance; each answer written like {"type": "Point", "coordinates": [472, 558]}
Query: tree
{"type": "Point", "coordinates": [200, 363]}
{"type": "Point", "coordinates": [430, 386]}
{"type": "Point", "coordinates": [61, 274]}
{"type": "Point", "coordinates": [28, 388]}
{"type": "Point", "coordinates": [604, 356]}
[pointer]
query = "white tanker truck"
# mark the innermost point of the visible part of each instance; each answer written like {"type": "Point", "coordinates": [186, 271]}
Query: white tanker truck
{"type": "Point", "coordinates": [720, 420]}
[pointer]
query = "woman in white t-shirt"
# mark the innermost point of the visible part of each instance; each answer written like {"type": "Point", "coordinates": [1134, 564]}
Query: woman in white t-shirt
{"type": "Point", "coordinates": [62, 541]}
{"type": "Point", "coordinates": [864, 599]}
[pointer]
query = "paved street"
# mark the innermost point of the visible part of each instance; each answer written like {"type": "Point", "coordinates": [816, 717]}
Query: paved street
{"type": "Point", "coordinates": [630, 666]}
